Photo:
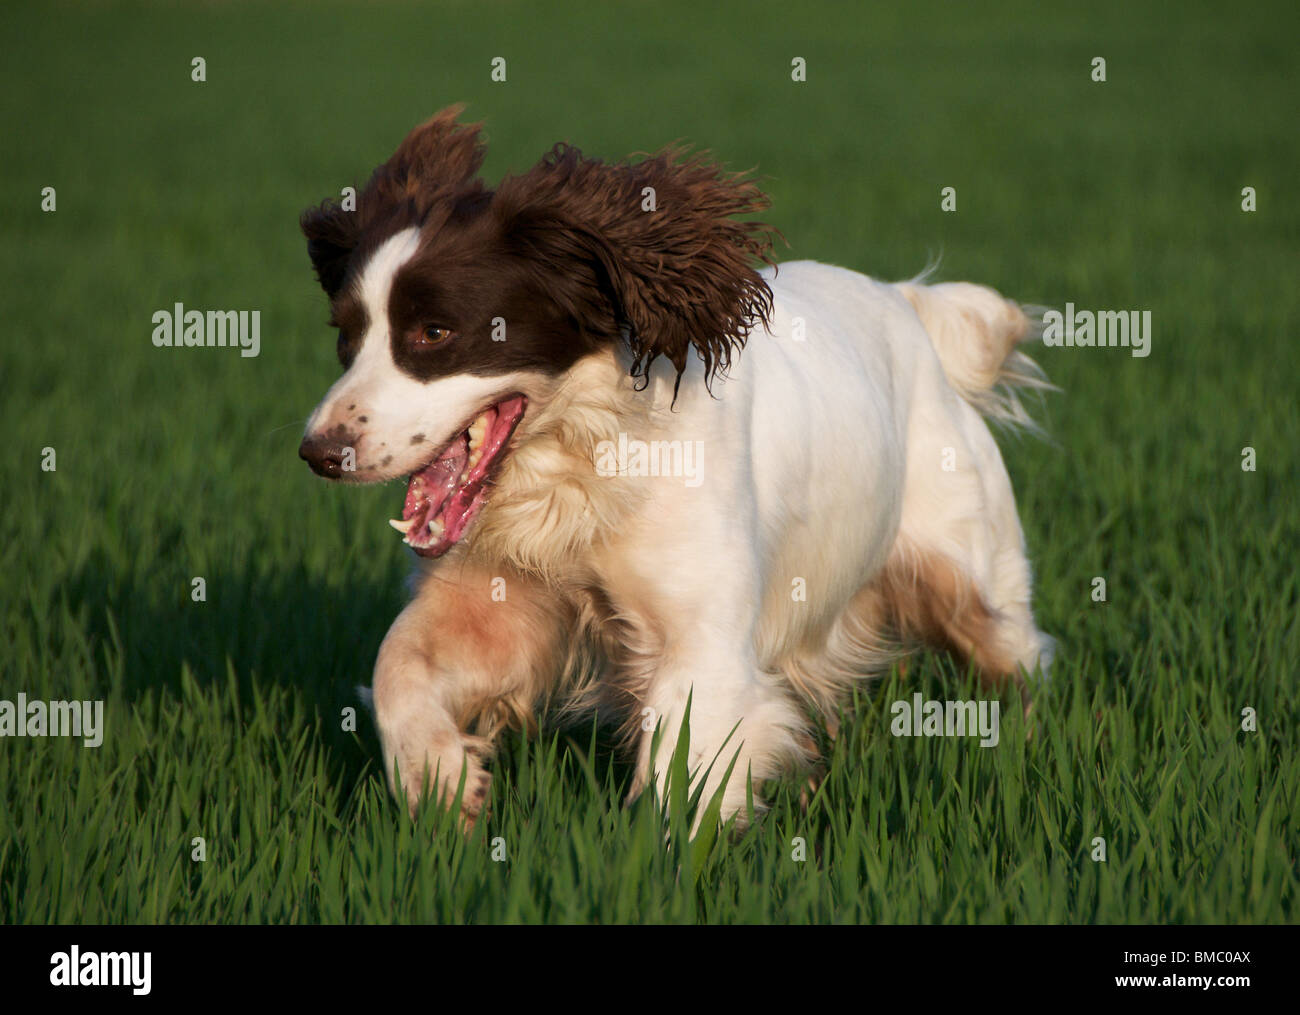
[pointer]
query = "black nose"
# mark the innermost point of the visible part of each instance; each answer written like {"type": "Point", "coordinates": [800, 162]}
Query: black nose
{"type": "Point", "coordinates": [324, 455]}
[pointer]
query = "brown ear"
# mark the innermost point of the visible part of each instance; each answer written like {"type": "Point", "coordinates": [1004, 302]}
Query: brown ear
{"type": "Point", "coordinates": [436, 161]}
{"type": "Point", "coordinates": [647, 251]}
{"type": "Point", "coordinates": [438, 158]}
{"type": "Point", "coordinates": [331, 236]}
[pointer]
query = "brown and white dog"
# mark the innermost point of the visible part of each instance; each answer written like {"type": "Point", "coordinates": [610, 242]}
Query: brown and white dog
{"type": "Point", "coordinates": [611, 502]}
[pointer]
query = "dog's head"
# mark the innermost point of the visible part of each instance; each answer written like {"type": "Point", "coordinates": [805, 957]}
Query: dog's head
{"type": "Point", "coordinates": [460, 309]}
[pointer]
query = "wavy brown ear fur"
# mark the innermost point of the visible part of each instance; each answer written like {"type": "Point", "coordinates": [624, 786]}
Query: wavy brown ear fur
{"type": "Point", "coordinates": [678, 277]}
{"type": "Point", "coordinates": [435, 163]}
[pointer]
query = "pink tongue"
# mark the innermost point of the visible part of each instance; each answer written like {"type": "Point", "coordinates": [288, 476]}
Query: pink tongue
{"type": "Point", "coordinates": [436, 490]}
{"type": "Point", "coordinates": [436, 481]}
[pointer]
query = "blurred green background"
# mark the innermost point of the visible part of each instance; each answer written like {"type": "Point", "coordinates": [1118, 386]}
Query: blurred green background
{"type": "Point", "coordinates": [224, 716]}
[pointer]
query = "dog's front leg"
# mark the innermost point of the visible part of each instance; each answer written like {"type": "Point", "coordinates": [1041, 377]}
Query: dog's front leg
{"type": "Point", "coordinates": [471, 653]}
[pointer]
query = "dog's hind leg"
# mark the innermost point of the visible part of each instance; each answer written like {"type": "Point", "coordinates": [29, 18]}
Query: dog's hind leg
{"type": "Point", "coordinates": [471, 653]}
{"type": "Point", "coordinates": [958, 577]}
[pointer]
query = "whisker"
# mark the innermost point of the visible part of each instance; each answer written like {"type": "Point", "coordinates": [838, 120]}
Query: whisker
{"type": "Point", "coordinates": [292, 422]}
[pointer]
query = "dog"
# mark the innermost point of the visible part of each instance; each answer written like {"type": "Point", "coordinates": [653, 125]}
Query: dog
{"type": "Point", "coordinates": [651, 472]}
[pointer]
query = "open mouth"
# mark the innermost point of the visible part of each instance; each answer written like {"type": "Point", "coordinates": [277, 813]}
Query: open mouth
{"type": "Point", "coordinates": [444, 497]}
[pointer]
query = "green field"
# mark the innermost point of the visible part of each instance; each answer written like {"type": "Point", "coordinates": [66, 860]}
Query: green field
{"type": "Point", "coordinates": [223, 717]}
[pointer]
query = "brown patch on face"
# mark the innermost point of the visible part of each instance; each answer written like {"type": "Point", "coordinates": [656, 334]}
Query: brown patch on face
{"type": "Point", "coordinates": [925, 597]}
{"type": "Point", "coordinates": [362, 419]}
{"type": "Point", "coordinates": [348, 315]}
{"type": "Point", "coordinates": [417, 438]}
{"type": "Point", "coordinates": [465, 279]}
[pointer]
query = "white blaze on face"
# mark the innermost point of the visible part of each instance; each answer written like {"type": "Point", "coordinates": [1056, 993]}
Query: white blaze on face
{"type": "Point", "coordinates": [397, 408]}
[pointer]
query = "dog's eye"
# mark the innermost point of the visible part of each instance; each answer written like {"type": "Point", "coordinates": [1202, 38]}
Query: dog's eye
{"type": "Point", "coordinates": [432, 336]}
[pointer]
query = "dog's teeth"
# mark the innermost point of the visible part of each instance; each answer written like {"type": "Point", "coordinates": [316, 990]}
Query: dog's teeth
{"type": "Point", "coordinates": [477, 429]}
{"type": "Point", "coordinates": [436, 528]}
{"type": "Point", "coordinates": [400, 526]}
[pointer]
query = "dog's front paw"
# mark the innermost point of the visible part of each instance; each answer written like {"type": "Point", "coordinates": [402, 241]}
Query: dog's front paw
{"type": "Point", "coordinates": [434, 776]}
{"type": "Point", "coordinates": [473, 804]}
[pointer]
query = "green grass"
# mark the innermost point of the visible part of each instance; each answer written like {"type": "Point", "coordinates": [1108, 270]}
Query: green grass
{"type": "Point", "coordinates": [224, 717]}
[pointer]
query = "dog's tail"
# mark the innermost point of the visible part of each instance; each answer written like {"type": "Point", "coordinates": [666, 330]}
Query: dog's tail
{"type": "Point", "coordinates": [976, 332]}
